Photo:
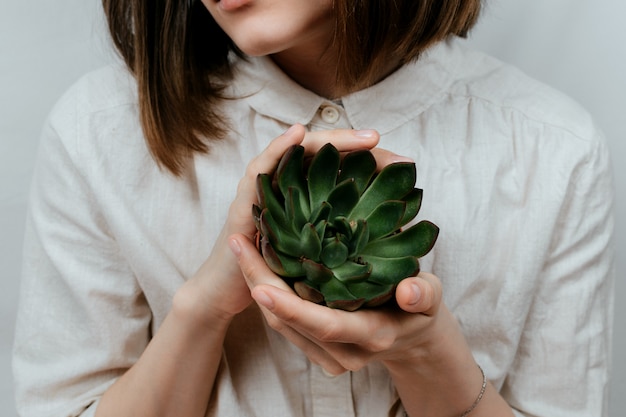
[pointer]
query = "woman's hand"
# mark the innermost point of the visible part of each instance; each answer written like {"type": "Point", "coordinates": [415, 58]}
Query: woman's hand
{"type": "Point", "coordinates": [338, 340]}
{"type": "Point", "coordinates": [218, 289]}
{"type": "Point", "coordinates": [420, 343]}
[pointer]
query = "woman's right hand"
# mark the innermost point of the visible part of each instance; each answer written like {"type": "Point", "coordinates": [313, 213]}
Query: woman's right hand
{"type": "Point", "coordinates": [218, 290]}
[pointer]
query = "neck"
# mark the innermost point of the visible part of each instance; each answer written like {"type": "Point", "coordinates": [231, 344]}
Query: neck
{"type": "Point", "coordinates": [316, 71]}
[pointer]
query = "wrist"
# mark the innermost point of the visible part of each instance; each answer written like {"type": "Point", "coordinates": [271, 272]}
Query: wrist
{"type": "Point", "coordinates": [217, 291]}
{"type": "Point", "coordinates": [191, 305]}
{"type": "Point", "coordinates": [432, 345]}
{"type": "Point", "coordinates": [439, 376]}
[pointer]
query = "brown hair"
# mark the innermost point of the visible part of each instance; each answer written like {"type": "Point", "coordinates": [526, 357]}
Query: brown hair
{"type": "Point", "coordinates": [179, 56]}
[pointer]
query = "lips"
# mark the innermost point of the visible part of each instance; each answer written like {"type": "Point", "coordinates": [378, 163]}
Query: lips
{"type": "Point", "coordinates": [231, 5]}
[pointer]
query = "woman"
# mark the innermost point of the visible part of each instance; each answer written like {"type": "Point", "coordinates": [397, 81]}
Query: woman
{"type": "Point", "coordinates": [144, 295]}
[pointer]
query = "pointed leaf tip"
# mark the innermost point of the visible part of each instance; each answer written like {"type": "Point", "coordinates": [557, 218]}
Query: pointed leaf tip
{"type": "Point", "coordinates": [322, 174]}
{"type": "Point", "coordinates": [392, 183]}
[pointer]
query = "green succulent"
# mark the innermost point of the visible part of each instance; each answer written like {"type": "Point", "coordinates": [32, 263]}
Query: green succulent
{"type": "Point", "coordinates": [331, 226]}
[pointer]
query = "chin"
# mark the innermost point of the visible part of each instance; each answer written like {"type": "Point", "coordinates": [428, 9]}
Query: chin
{"type": "Point", "coordinates": [257, 46]}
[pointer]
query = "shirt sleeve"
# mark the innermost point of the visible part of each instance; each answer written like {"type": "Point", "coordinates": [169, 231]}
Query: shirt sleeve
{"type": "Point", "coordinates": [82, 319]}
{"type": "Point", "coordinates": [562, 365]}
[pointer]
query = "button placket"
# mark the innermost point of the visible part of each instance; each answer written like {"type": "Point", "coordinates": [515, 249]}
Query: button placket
{"type": "Point", "coordinates": [331, 396]}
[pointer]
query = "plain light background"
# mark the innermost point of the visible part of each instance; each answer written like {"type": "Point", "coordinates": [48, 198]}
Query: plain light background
{"type": "Point", "coordinates": [578, 46]}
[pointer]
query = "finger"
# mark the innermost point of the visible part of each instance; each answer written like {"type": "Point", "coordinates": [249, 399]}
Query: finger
{"type": "Point", "coordinates": [384, 157]}
{"type": "Point", "coordinates": [346, 140]}
{"type": "Point", "coordinates": [343, 139]}
{"type": "Point", "coordinates": [420, 294]}
{"type": "Point", "coordinates": [336, 356]}
{"type": "Point", "coordinates": [267, 160]}
{"type": "Point", "coordinates": [372, 330]}
{"type": "Point", "coordinates": [252, 265]}
{"type": "Point", "coordinates": [259, 278]}
{"type": "Point", "coordinates": [314, 351]}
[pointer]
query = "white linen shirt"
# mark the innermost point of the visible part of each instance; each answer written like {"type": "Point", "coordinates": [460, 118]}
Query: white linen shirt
{"type": "Point", "coordinates": [515, 174]}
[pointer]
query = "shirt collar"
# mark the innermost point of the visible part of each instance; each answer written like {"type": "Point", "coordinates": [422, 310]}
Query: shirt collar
{"type": "Point", "coordinates": [270, 92]}
{"type": "Point", "coordinates": [384, 106]}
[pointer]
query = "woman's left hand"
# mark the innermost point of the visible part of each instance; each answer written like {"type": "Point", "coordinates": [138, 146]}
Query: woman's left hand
{"type": "Point", "coordinates": [420, 343]}
{"type": "Point", "coordinates": [338, 340]}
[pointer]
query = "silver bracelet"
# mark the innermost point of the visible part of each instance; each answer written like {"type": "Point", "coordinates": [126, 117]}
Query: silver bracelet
{"type": "Point", "coordinates": [480, 395]}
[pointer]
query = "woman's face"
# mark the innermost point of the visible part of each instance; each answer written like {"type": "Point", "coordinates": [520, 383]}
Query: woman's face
{"type": "Point", "coordinates": [264, 27]}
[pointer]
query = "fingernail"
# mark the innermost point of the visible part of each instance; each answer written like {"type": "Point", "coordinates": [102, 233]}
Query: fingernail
{"type": "Point", "coordinates": [365, 134]}
{"type": "Point", "coordinates": [263, 299]}
{"type": "Point", "coordinates": [415, 297]}
{"type": "Point", "coordinates": [234, 247]}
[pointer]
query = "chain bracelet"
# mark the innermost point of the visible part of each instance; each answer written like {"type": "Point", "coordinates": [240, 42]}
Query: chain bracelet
{"type": "Point", "coordinates": [480, 395]}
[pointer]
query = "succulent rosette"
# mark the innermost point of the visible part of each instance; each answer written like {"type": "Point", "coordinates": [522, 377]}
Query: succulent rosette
{"type": "Point", "coordinates": [332, 227]}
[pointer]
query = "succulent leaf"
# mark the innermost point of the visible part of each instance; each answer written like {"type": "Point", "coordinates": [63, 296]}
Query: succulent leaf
{"type": "Point", "coordinates": [321, 213]}
{"type": "Point", "coordinates": [376, 294]}
{"type": "Point", "coordinates": [320, 228]}
{"type": "Point", "coordinates": [343, 198]}
{"type": "Point", "coordinates": [346, 304]}
{"type": "Point", "coordinates": [310, 242]}
{"type": "Point", "coordinates": [334, 253]}
{"type": "Point", "coordinates": [416, 241]}
{"type": "Point", "coordinates": [392, 183]}
{"type": "Point", "coordinates": [389, 271]}
{"type": "Point", "coordinates": [342, 226]}
{"type": "Point", "coordinates": [289, 173]}
{"type": "Point", "coordinates": [385, 218]}
{"type": "Point", "coordinates": [336, 293]}
{"type": "Point", "coordinates": [323, 174]}
{"type": "Point", "coordinates": [256, 215]}
{"type": "Point", "coordinates": [359, 240]}
{"type": "Point", "coordinates": [360, 166]}
{"type": "Point", "coordinates": [316, 272]}
{"type": "Point", "coordinates": [285, 266]}
{"type": "Point", "coordinates": [352, 272]}
{"type": "Point", "coordinates": [413, 204]}
{"type": "Point", "coordinates": [308, 291]}
{"type": "Point", "coordinates": [280, 237]}
{"type": "Point", "coordinates": [296, 214]}
{"type": "Point", "coordinates": [267, 197]}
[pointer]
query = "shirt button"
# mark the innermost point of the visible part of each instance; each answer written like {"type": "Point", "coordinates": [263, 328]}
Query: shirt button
{"type": "Point", "coordinates": [330, 114]}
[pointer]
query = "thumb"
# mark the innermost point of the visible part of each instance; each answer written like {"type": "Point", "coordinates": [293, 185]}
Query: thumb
{"type": "Point", "coordinates": [420, 294]}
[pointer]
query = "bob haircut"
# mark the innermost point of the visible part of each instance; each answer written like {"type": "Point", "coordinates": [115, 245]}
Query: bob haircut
{"type": "Point", "coordinates": [179, 57]}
